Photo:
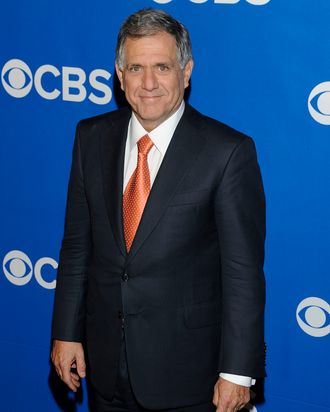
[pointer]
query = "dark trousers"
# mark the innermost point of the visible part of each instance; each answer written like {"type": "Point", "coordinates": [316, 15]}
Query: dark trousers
{"type": "Point", "coordinates": [124, 399]}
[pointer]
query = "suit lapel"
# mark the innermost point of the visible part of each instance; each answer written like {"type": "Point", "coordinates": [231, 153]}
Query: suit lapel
{"type": "Point", "coordinates": [112, 153]}
{"type": "Point", "coordinates": [185, 146]}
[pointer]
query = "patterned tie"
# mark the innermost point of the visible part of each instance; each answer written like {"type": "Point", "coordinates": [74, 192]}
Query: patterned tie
{"type": "Point", "coordinates": [136, 192]}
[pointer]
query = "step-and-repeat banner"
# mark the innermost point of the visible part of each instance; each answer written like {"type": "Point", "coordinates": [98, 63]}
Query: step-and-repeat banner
{"type": "Point", "coordinates": [261, 66]}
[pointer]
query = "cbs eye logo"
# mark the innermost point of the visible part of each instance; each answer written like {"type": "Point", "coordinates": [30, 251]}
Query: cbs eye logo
{"type": "Point", "coordinates": [16, 78]}
{"type": "Point", "coordinates": [18, 269]}
{"type": "Point", "coordinates": [313, 316]}
{"type": "Point", "coordinates": [319, 103]}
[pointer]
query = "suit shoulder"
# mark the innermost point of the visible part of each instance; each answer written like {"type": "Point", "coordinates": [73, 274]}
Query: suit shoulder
{"type": "Point", "coordinates": [214, 131]}
{"type": "Point", "coordinates": [104, 118]}
{"type": "Point", "coordinates": [112, 123]}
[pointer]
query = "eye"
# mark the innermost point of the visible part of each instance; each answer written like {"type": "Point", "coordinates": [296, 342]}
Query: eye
{"type": "Point", "coordinates": [17, 267]}
{"type": "Point", "coordinates": [313, 316]}
{"type": "Point", "coordinates": [135, 69]}
{"type": "Point", "coordinates": [163, 67]}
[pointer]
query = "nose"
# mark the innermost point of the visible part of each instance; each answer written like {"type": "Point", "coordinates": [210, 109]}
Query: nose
{"type": "Point", "coordinates": [149, 79]}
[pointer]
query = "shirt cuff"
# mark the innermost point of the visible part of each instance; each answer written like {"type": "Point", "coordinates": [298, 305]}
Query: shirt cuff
{"type": "Point", "coordinates": [238, 379]}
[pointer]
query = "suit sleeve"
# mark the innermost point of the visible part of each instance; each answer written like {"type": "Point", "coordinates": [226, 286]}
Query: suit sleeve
{"type": "Point", "coordinates": [240, 218]}
{"type": "Point", "coordinates": [69, 304]}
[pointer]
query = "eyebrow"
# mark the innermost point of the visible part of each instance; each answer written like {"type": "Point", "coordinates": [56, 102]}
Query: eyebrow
{"type": "Point", "coordinates": [154, 65]}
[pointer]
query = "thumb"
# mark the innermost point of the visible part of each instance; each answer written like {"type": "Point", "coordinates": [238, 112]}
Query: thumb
{"type": "Point", "coordinates": [81, 365]}
{"type": "Point", "coordinates": [215, 396]}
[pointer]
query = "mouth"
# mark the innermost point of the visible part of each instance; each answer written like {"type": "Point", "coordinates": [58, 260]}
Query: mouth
{"type": "Point", "coordinates": [150, 97]}
{"type": "Point", "coordinates": [150, 100]}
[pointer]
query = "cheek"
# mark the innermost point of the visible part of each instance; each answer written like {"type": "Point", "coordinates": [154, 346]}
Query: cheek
{"type": "Point", "coordinates": [130, 89]}
{"type": "Point", "coordinates": [172, 87]}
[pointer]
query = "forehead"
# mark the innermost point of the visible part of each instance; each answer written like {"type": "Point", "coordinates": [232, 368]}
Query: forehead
{"type": "Point", "coordinates": [158, 46]}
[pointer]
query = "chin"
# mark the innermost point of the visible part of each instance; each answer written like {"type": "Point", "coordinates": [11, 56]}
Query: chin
{"type": "Point", "coordinates": [151, 115]}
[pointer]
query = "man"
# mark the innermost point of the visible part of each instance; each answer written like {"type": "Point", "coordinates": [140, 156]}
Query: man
{"type": "Point", "coordinates": [160, 281]}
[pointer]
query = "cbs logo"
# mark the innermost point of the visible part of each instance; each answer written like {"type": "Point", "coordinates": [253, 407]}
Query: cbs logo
{"type": "Point", "coordinates": [17, 80]}
{"type": "Point", "coordinates": [319, 103]}
{"type": "Point", "coordinates": [254, 2]}
{"type": "Point", "coordinates": [18, 269]}
{"type": "Point", "coordinates": [313, 316]}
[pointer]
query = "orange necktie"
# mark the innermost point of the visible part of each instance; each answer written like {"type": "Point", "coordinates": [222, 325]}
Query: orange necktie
{"type": "Point", "coordinates": [136, 192]}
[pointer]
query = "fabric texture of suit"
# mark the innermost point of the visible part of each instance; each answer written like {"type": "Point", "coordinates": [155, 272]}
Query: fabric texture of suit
{"type": "Point", "coordinates": [190, 293]}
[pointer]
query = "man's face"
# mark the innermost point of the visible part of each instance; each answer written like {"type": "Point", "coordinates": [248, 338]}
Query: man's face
{"type": "Point", "coordinates": [152, 78]}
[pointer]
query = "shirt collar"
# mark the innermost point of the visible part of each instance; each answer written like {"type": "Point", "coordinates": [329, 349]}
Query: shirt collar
{"type": "Point", "coordinates": [161, 135]}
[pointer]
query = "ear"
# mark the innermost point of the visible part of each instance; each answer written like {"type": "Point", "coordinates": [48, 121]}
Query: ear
{"type": "Point", "coordinates": [187, 72]}
{"type": "Point", "coordinates": [120, 76]}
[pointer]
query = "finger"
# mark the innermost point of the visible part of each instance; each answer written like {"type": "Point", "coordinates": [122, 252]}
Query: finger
{"type": "Point", "coordinates": [222, 407]}
{"type": "Point", "coordinates": [231, 407]}
{"type": "Point", "coordinates": [75, 376]}
{"type": "Point", "coordinates": [215, 399]}
{"type": "Point", "coordinates": [66, 378]}
{"type": "Point", "coordinates": [75, 385]}
{"type": "Point", "coordinates": [71, 385]}
{"type": "Point", "coordinates": [81, 365]}
{"type": "Point", "coordinates": [238, 407]}
{"type": "Point", "coordinates": [75, 380]}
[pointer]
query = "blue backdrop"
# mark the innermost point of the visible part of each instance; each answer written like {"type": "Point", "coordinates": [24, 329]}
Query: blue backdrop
{"type": "Point", "coordinates": [261, 66]}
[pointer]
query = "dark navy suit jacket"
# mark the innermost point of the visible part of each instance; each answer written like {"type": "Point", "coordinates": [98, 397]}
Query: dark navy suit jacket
{"type": "Point", "coordinates": [190, 293]}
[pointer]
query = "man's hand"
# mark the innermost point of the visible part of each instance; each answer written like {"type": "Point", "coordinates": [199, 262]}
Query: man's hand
{"type": "Point", "coordinates": [67, 356]}
{"type": "Point", "coordinates": [230, 397]}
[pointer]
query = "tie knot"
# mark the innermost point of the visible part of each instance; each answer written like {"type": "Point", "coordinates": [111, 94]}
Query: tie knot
{"type": "Point", "coordinates": [144, 145]}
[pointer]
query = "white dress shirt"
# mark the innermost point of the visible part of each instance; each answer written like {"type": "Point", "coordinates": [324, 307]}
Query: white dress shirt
{"type": "Point", "coordinates": [161, 137]}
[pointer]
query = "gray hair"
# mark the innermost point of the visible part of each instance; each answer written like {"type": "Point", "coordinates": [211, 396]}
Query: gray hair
{"type": "Point", "coordinates": [148, 22]}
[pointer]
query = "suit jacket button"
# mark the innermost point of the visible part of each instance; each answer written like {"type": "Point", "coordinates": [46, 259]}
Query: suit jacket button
{"type": "Point", "coordinates": [125, 277]}
{"type": "Point", "coordinates": [120, 314]}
